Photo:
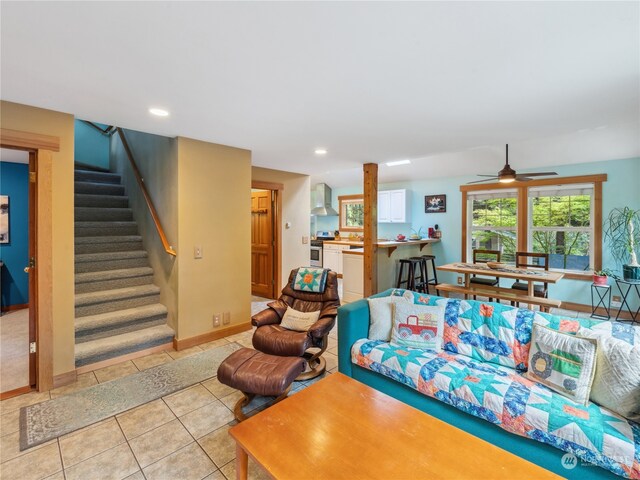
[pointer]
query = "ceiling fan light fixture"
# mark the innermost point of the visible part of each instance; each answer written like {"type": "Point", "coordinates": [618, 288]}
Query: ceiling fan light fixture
{"type": "Point", "coordinates": [507, 179]}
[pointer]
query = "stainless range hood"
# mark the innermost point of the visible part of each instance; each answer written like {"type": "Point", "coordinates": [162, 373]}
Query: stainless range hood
{"type": "Point", "coordinates": [323, 201]}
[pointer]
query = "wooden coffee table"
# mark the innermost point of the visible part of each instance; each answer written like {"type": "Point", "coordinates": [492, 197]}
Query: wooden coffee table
{"type": "Point", "coordinates": [339, 428]}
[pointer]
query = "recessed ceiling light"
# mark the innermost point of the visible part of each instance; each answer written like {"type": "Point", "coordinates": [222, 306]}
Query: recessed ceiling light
{"type": "Point", "coordinates": [159, 112]}
{"type": "Point", "coordinates": [398, 162]}
{"type": "Point", "coordinates": [320, 151]}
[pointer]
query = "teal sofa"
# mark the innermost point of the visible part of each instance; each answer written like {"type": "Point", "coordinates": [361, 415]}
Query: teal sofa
{"type": "Point", "coordinates": [353, 328]}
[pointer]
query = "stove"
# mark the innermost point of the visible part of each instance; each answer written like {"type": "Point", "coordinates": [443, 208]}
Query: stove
{"type": "Point", "coordinates": [316, 247]}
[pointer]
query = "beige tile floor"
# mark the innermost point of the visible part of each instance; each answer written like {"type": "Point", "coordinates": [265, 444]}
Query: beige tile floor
{"type": "Point", "coordinates": [181, 436]}
{"type": "Point", "coordinates": [14, 350]}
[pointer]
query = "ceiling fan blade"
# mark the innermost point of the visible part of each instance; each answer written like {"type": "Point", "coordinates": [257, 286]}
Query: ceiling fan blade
{"type": "Point", "coordinates": [523, 178]}
{"type": "Point", "coordinates": [491, 176]}
{"type": "Point", "coordinates": [485, 180]}
{"type": "Point", "coordinates": [538, 174]}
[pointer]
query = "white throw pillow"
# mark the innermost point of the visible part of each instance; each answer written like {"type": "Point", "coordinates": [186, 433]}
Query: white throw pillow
{"type": "Point", "coordinates": [616, 385]}
{"type": "Point", "coordinates": [563, 362]}
{"type": "Point", "coordinates": [298, 321]}
{"type": "Point", "coordinates": [381, 315]}
{"type": "Point", "coordinates": [418, 326]}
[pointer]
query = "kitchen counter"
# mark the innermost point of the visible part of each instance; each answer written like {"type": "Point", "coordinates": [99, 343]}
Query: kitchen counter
{"type": "Point", "coordinates": [391, 245]}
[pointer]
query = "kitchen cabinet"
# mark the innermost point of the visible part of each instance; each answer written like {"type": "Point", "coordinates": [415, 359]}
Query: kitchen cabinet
{"type": "Point", "coordinates": [394, 206]}
{"type": "Point", "coordinates": [332, 256]}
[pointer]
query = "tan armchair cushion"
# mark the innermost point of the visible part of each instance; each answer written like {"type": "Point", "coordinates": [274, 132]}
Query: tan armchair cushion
{"type": "Point", "coordinates": [299, 321]}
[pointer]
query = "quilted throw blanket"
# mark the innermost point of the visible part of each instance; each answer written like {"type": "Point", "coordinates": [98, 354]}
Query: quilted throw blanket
{"type": "Point", "coordinates": [309, 279]}
{"type": "Point", "coordinates": [504, 397]}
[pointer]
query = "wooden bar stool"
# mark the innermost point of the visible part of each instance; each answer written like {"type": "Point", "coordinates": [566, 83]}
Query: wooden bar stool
{"type": "Point", "coordinates": [430, 281]}
{"type": "Point", "coordinates": [412, 268]}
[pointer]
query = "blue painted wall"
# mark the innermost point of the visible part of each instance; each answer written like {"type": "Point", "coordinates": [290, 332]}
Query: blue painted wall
{"type": "Point", "coordinates": [621, 189]}
{"type": "Point", "coordinates": [14, 182]}
{"type": "Point", "coordinates": [91, 147]}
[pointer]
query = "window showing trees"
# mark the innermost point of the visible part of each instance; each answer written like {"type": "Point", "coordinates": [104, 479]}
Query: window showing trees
{"type": "Point", "coordinates": [562, 219]}
{"type": "Point", "coordinates": [560, 224]}
{"type": "Point", "coordinates": [493, 222]}
{"type": "Point", "coordinates": [351, 212]}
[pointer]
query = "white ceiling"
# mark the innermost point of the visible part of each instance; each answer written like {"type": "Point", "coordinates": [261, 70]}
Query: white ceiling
{"type": "Point", "coordinates": [444, 84]}
{"type": "Point", "coordinates": [14, 156]}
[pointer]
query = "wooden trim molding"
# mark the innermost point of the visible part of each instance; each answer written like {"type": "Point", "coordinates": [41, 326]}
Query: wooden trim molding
{"type": "Point", "coordinates": [597, 220]}
{"type": "Point", "coordinates": [342, 199]}
{"type": "Point", "coordinates": [580, 307]}
{"type": "Point", "coordinates": [463, 236]}
{"type": "Point", "coordinates": [522, 229]}
{"type": "Point", "coordinates": [44, 269]}
{"type": "Point", "coordinates": [15, 392]}
{"type": "Point", "coordinates": [259, 185]}
{"type": "Point", "coordinates": [184, 343]}
{"type": "Point", "coordinates": [28, 140]}
{"type": "Point", "coordinates": [65, 379]}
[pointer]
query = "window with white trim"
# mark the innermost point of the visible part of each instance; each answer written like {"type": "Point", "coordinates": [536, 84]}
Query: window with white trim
{"type": "Point", "coordinates": [561, 224]}
{"type": "Point", "coordinates": [492, 222]}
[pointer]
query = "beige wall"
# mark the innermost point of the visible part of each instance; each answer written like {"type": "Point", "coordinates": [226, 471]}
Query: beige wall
{"type": "Point", "coordinates": [157, 160]}
{"type": "Point", "coordinates": [214, 212]}
{"type": "Point", "coordinates": [36, 120]}
{"type": "Point", "coordinates": [295, 209]}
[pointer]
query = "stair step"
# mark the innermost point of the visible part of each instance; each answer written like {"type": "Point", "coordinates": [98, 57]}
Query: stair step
{"type": "Point", "coordinates": [93, 327]}
{"type": "Point", "coordinates": [111, 347]}
{"type": "Point", "coordinates": [87, 200]}
{"type": "Point", "coordinates": [94, 229]}
{"type": "Point", "coordinates": [93, 188]}
{"type": "Point", "coordinates": [93, 303]}
{"type": "Point", "coordinates": [100, 214]}
{"type": "Point", "coordinates": [113, 279]}
{"type": "Point", "coordinates": [96, 262]}
{"type": "Point", "coordinates": [96, 177]}
{"type": "Point", "coordinates": [122, 243]}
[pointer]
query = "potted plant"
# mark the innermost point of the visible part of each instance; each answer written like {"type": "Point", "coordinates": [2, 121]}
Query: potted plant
{"type": "Point", "coordinates": [601, 277]}
{"type": "Point", "coordinates": [622, 231]}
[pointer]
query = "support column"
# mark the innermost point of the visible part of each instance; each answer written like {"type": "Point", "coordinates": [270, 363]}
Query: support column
{"type": "Point", "coordinates": [370, 229]}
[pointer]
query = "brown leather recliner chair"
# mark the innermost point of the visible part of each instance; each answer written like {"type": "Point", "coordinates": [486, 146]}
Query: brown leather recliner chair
{"type": "Point", "coordinates": [273, 339]}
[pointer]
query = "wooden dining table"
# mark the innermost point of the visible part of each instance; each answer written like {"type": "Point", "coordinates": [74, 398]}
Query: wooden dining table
{"type": "Point", "coordinates": [526, 275]}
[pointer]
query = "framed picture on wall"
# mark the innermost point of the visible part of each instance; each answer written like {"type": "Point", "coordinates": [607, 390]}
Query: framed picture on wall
{"type": "Point", "coordinates": [435, 203]}
{"type": "Point", "coordinates": [4, 218]}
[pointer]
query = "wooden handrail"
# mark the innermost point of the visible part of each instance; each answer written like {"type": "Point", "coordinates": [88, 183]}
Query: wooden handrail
{"type": "Point", "coordinates": [154, 214]}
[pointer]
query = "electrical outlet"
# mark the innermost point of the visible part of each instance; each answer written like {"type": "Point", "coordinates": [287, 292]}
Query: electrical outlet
{"type": "Point", "coordinates": [197, 252]}
{"type": "Point", "coordinates": [305, 239]}
{"type": "Point", "coordinates": [616, 301]}
{"type": "Point", "coordinates": [226, 318]}
{"type": "Point", "coordinates": [216, 319]}
{"type": "Point", "coordinates": [460, 281]}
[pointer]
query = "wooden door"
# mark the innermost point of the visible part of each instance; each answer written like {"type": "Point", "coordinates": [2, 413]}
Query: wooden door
{"type": "Point", "coordinates": [262, 244]}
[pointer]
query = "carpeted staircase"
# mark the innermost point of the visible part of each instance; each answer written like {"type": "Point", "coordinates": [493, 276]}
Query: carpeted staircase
{"type": "Point", "coordinates": [117, 305]}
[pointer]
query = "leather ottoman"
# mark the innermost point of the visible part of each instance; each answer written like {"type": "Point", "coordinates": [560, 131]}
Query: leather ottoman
{"type": "Point", "coordinates": [256, 373]}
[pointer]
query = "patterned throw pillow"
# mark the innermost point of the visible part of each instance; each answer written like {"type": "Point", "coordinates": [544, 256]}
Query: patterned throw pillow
{"type": "Point", "coordinates": [563, 362]}
{"type": "Point", "coordinates": [418, 326]}
{"type": "Point", "coordinates": [381, 315]}
{"type": "Point", "coordinates": [299, 321]}
{"type": "Point", "coordinates": [616, 385]}
{"type": "Point", "coordinates": [488, 332]}
{"type": "Point", "coordinates": [309, 279]}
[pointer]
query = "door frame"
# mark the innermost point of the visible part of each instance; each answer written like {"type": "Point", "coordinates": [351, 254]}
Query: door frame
{"type": "Point", "coordinates": [276, 198]}
{"type": "Point", "coordinates": [40, 148]}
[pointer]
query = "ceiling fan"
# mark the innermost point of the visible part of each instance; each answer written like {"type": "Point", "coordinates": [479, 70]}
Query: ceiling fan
{"type": "Point", "coordinates": [508, 174]}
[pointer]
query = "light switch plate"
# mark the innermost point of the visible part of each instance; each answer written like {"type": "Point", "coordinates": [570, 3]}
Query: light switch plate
{"type": "Point", "coordinates": [197, 252]}
{"type": "Point", "coordinates": [305, 239]}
